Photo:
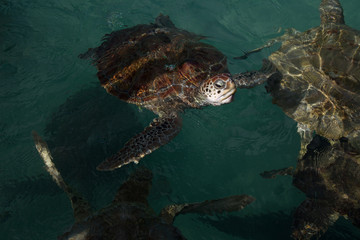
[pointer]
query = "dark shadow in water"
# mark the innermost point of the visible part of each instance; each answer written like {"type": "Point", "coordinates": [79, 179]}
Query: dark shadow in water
{"type": "Point", "coordinates": [17, 189]}
{"type": "Point", "coordinates": [85, 130]}
{"type": "Point", "coordinates": [89, 127]}
{"type": "Point", "coordinates": [4, 216]}
{"type": "Point", "coordinates": [275, 225]}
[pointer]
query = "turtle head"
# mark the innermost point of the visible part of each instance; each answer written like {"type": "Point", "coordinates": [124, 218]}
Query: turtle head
{"type": "Point", "coordinates": [218, 89]}
{"type": "Point", "coordinates": [331, 12]}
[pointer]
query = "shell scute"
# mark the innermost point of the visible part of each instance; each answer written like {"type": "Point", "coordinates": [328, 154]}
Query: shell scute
{"type": "Point", "coordinates": [324, 59]}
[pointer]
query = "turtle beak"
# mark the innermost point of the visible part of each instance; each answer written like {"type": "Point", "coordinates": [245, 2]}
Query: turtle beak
{"type": "Point", "coordinates": [228, 94]}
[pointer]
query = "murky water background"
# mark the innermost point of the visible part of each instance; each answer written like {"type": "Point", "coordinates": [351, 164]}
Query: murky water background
{"type": "Point", "coordinates": [220, 150]}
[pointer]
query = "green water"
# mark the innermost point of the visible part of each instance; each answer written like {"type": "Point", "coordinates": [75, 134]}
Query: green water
{"type": "Point", "coordinates": [220, 150]}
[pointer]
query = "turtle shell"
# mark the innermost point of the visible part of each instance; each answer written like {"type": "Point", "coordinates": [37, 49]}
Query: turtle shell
{"type": "Point", "coordinates": [320, 82]}
{"type": "Point", "coordinates": [154, 62]}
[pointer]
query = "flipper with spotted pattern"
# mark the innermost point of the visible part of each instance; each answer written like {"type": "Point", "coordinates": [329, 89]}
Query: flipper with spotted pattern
{"type": "Point", "coordinates": [158, 133]}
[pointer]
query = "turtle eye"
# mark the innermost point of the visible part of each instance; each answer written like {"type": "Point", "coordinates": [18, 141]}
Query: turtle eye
{"type": "Point", "coordinates": [219, 83]}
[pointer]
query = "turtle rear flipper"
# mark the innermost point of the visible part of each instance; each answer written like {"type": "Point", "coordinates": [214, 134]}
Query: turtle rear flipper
{"type": "Point", "coordinates": [313, 218]}
{"type": "Point", "coordinates": [158, 133]}
{"type": "Point", "coordinates": [81, 207]}
{"type": "Point", "coordinates": [209, 207]}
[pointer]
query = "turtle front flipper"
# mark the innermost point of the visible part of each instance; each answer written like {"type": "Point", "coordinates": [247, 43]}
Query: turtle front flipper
{"type": "Point", "coordinates": [209, 207]}
{"type": "Point", "coordinates": [289, 34]}
{"type": "Point", "coordinates": [313, 218]}
{"type": "Point", "coordinates": [254, 78]}
{"type": "Point", "coordinates": [249, 79]}
{"type": "Point", "coordinates": [81, 207]}
{"type": "Point", "coordinates": [158, 133]}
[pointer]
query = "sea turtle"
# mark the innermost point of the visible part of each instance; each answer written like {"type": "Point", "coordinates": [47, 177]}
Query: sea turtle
{"type": "Point", "coordinates": [319, 83]}
{"type": "Point", "coordinates": [316, 81]}
{"type": "Point", "coordinates": [163, 69]}
{"type": "Point", "coordinates": [328, 174]}
{"type": "Point", "coordinates": [129, 216]}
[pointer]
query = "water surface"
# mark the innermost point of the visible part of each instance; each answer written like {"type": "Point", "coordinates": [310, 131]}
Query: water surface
{"type": "Point", "coordinates": [220, 150]}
